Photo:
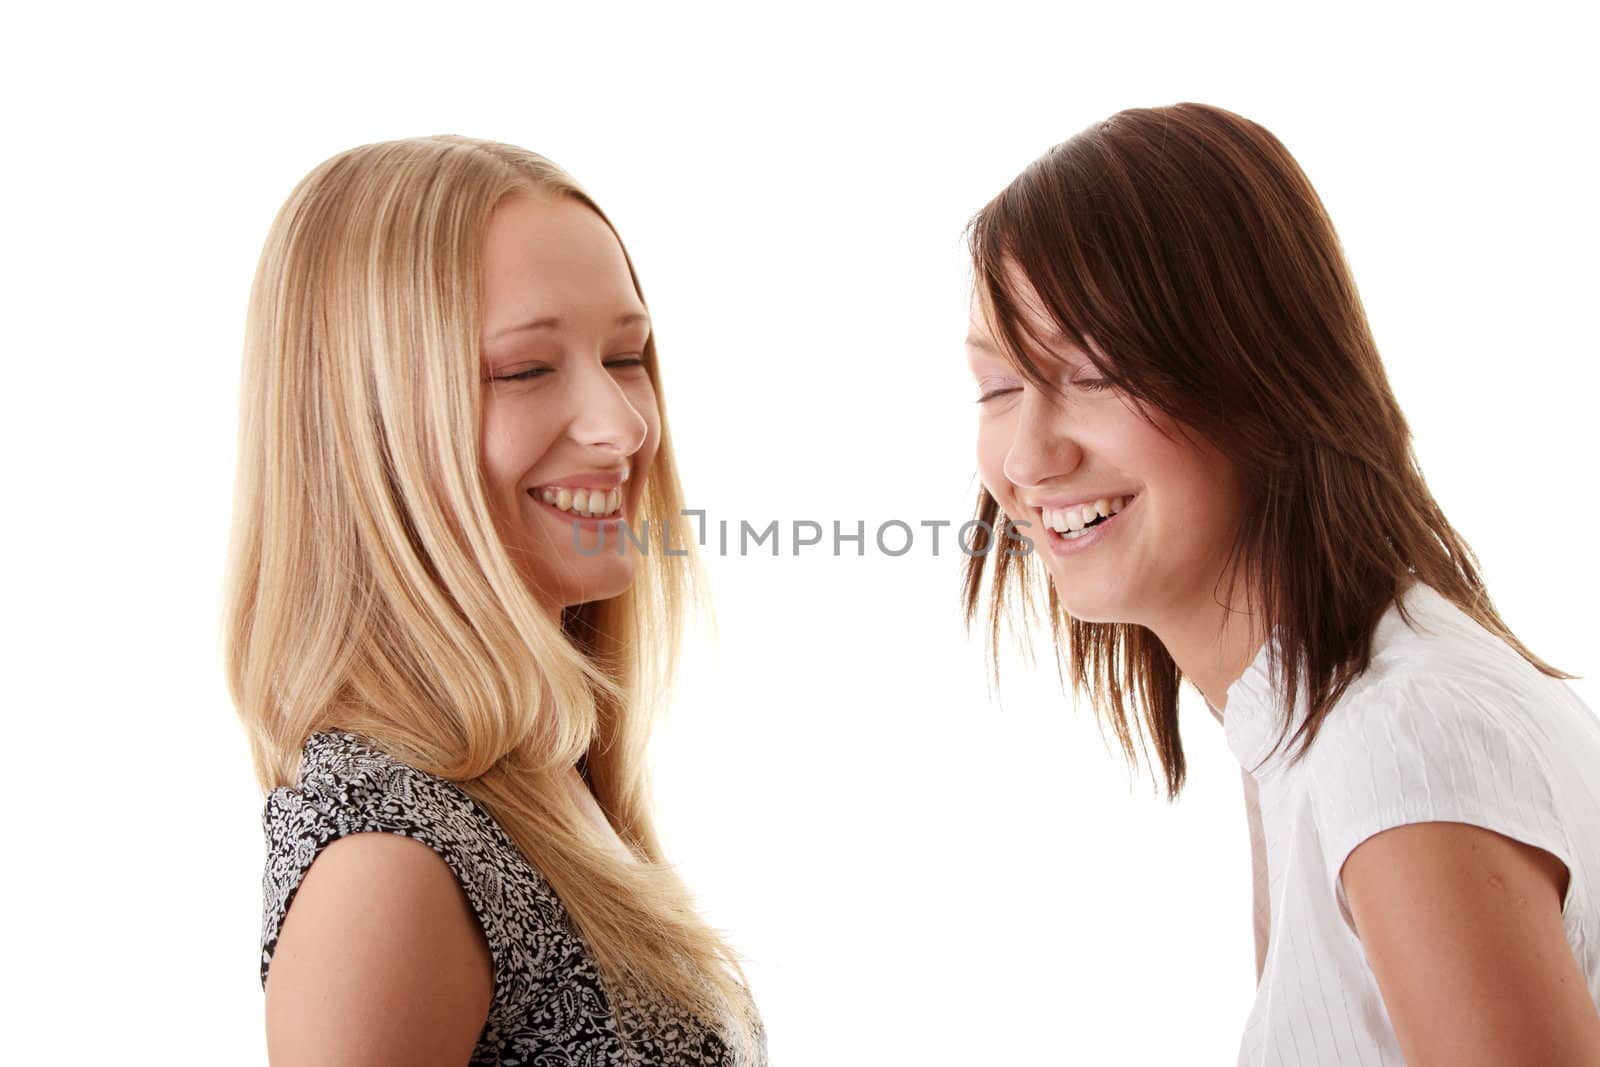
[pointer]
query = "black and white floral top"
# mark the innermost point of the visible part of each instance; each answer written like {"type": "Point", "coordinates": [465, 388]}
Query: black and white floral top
{"type": "Point", "coordinates": [549, 1008]}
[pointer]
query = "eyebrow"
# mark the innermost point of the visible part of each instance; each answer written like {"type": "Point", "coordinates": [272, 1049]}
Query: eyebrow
{"type": "Point", "coordinates": [1057, 338]}
{"type": "Point", "coordinates": [1060, 337]}
{"type": "Point", "coordinates": [556, 322]}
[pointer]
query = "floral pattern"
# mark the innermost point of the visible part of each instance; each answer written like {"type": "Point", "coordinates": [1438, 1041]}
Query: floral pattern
{"type": "Point", "coordinates": [549, 1007]}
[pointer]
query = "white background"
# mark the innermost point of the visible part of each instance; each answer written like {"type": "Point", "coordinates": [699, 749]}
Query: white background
{"type": "Point", "coordinates": [916, 874]}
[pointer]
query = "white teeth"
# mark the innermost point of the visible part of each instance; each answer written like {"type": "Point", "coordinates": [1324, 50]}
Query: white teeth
{"type": "Point", "coordinates": [589, 503]}
{"type": "Point", "coordinates": [1070, 521]}
{"type": "Point", "coordinates": [1074, 518]}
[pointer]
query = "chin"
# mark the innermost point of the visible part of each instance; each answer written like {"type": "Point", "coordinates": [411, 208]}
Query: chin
{"type": "Point", "coordinates": [600, 579]}
{"type": "Point", "coordinates": [1088, 606]}
{"type": "Point", "coordinates": [1094, 617]}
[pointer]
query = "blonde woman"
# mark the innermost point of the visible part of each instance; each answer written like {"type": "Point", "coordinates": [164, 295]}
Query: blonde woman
{"type": "Point", "coordinates": [451, 407]}
{"type": "Point", "coordinates": [1181, 398]}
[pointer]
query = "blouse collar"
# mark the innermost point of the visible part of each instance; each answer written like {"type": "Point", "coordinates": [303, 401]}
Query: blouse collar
{"type": "Point", "coordinates": [1253, 718]}
{"type": "Point", "coordinates": [1253, 715]}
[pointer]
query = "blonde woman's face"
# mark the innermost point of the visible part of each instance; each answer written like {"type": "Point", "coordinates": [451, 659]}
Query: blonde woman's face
{"type": "Point", "coordinates": [1156, 561]}
{"type": "Point", "coordinates": [570, 422]}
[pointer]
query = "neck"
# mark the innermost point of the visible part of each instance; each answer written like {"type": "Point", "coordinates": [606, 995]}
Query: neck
{"type": "Point", "coordinates": [1212, 645]}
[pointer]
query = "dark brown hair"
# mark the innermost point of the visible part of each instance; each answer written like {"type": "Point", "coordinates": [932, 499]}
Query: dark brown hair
{"type": "Point", "coordinates": [1190, 245]}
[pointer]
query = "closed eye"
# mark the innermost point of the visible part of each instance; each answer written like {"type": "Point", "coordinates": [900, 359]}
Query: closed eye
{"type": "Point", "coordinates": [995, 394]}
{"type": "Point", "coordinates": [540, 371]}
{"type": "Point", "coordinates": [526, 375]}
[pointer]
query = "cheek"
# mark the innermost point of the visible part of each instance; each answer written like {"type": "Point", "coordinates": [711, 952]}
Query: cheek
{"type": "Point", "coordinates": [1198, 486]}
{"type": "Point", "coordinates": [993, 443]}
{"type": "Point", "coordinates": [513, 440]}
{"type": "Point", "coordinates": [495, 443]}
{"type": "Point", "coordinates": [642, 396]}
{"type": "Point", "coordinates": [1219, 499]}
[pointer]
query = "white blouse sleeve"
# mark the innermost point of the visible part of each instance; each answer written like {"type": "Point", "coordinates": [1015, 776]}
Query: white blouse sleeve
{"type": "Point", "coordinates": [1425, 747]}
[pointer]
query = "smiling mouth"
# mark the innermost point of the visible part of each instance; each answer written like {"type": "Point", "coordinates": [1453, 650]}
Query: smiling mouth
{"type": "Point", "coordinates": [1071, 522]}
{"type": "Point", "coordinates": [581, 503]}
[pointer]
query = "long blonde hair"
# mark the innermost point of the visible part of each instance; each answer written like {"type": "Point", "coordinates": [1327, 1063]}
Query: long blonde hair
{"type": "Point", "coordinates": [367, 589]}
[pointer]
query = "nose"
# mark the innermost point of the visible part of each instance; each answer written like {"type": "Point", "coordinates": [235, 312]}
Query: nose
{"type": "Point", "coordinates": [1042, 449]}
{"type": "Point", "coordinates": [602, 415]}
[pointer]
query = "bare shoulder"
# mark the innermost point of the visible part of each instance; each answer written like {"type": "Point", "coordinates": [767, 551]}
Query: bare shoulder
{"type": "Point", "coordinates": [1462, 927]}
{"type": "Point", "coordinates": [380, 961]}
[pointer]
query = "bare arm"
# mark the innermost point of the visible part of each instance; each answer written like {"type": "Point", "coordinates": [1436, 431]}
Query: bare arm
{"type": "Point", "coordinates": [380, 961]}
{"type": "Point", "coordinates": [1462, 927]}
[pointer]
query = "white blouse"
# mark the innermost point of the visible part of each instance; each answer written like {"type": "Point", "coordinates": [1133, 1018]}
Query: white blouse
{"type": "Point", "coordinates": [1447, 724]}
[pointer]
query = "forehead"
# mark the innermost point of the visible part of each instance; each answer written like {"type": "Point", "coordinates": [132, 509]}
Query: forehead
{"type": "Point", "coordinates": [1046, 340]}
{"type": "Point", "coordinates": [551, 255]}
{"type": "Point", "coordinates": [1021, 295]}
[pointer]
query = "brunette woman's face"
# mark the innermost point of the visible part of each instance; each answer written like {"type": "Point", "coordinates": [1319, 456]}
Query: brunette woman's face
{"type": "Point", "coordinates": [570, 422]}
{"type": "Point", "coordinates": [1163, 506]}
